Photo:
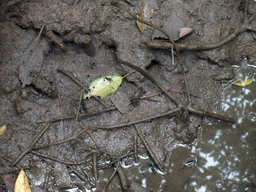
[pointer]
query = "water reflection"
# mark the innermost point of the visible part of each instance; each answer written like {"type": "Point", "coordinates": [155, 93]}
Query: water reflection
{"type": "Point", "coordinates": [226, 154]}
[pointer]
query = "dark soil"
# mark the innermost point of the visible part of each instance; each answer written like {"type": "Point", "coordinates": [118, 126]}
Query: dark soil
{"type": "Point", "coordinates": [32, 91]}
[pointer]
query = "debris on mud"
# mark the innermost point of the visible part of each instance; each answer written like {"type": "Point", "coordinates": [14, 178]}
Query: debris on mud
{"type": "Point", "coordinates": [63, 143]}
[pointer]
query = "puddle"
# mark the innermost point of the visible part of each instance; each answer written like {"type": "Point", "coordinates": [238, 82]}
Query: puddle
{"type": "Point", "coordinates": [226, 154]}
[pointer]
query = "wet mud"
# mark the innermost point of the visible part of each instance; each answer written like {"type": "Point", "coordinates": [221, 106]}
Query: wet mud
{"type": "Point", "coordinates": [39, 104]}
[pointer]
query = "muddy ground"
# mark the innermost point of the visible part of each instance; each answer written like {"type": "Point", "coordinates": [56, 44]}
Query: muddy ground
{"type": "Point", "coordinates": [33, 92]}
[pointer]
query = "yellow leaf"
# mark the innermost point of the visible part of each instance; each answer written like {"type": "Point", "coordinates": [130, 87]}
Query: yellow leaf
{"type": "Point", "coordinates": [104, 86]}
{"type": "Point", "coordinates": [146, 13]}
{"type": "Point", "coordinates": [243, 82]}
{"type": "Point", "coordinates": [21, 184]}
{"type": "Point", "coordinates": [2, 129]}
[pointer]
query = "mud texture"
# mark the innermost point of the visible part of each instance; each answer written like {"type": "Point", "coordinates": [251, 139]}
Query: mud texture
{"type": "Point", "coordinates": [32, 91]}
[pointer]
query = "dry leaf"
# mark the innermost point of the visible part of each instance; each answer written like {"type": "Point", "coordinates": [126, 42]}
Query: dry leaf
{"type": "Point", "coordinates": [147, 12]}
{"type": "Point", "coordinates": [243, 83]}
{"type": "Point", "coordinates": [21, 184]}
{"type": "Point", "coordinates": [2, 129]}
{"type": "Point", "coordinates": [185, 31]}
{"type": "Point", "coordinates": [104, 86]}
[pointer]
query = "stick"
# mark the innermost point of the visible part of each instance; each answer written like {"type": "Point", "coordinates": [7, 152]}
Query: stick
{"type": "Point", "coordinates": [30, 147]}
{"type": "Point", "coordinates": [213, 115]}
{"type": "Point", "coordinates": [151, 153]}
{"type": "Point", "coordinates": [110, 179]}
{"type": "Point", "coordinates": [168, 113]}
{"type": "Point", "coordinates": [124, 181]}
{"type": "Point", "coordinates": [94, 162]}
{"type": "Point", "coordinates": [136, 147]}
{"type": "Point", "coordinates": [150, 78]}
{"type": "Point", "coordinates": [80, 115]}
{"type": "Point", "coordinates": [60, 142]}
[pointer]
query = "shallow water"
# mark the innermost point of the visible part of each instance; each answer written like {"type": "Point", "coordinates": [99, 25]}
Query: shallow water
{"type": "Point", "coordinates": [226, 154]}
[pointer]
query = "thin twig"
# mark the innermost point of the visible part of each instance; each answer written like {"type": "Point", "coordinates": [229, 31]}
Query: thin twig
{"type": "Point", "coordinates": [159, 93]}
{"type": "Point", "coordinates": [40, 33]}
{"type": "Point", "coordinates": [30, 147]}
{"type": "Point", "coordinates": [170, 113]}
{"type": "Point", "coordinates": [93, 138]}
{"type": "Point", "coordinates": [95, 148]}
{"type": "Point", "coordinates": [54, 158]}
{"type": "Point", "coordinates": [209, 114]}
{"type": "Point", "coordinates": [63, 71]}
{"type": "Point", "coordinates": [46, 180]}
{"type": "Point", "coordinates": [136, 147]}
{"type": "Point", "coordinates": [60, 142]}
{"type": "Point", "coordinates": [150, 78]}
{"type": "Point", "coordinates": [124, 181]}
{"type": "Point", "coordinates": [81, 175]}
{"type": "Point", "coordinates": [110, 179]}
{"type": "Point", "coordinates": [80, 115]}
{"type": "Point", "coordinates": [79, 105]}
{"type": "Point", "coordinates": [185, 78]}
{"type": "Point", "coordinates": [187, 46]}
{"type": "Point", "coordinates": [94, 162]}
{"type": "Point", "coordinates": [151, 153]}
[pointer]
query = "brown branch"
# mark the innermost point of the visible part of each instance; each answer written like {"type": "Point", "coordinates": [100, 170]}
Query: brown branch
{"type": "Point", "coordinates": [150, 78]}
{"type": "Point", "coordinates": [187, 46]}
{"type": "Point", "coordinates": [170, 113]}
